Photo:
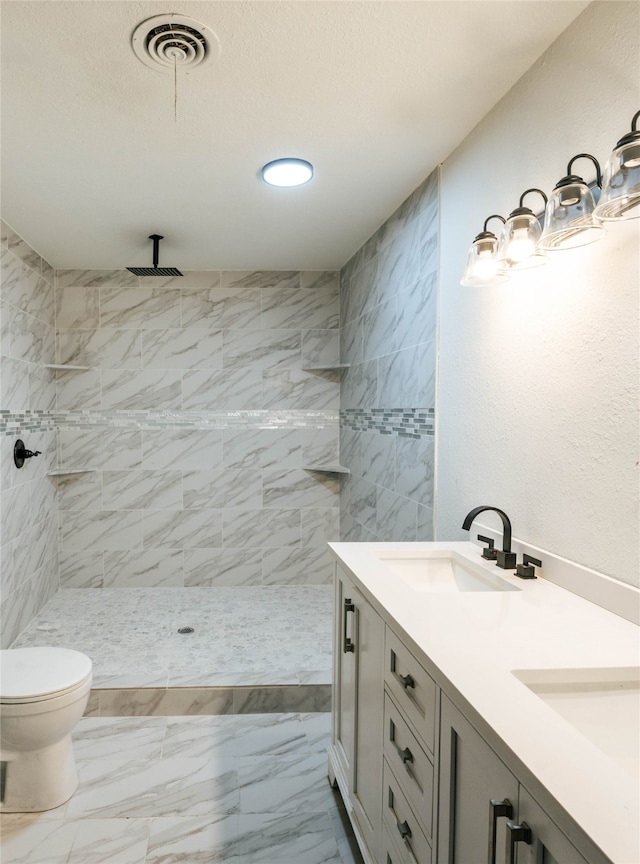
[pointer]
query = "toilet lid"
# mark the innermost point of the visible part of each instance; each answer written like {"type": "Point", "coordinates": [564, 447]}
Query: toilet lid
{"type": "Point", "coordinates": [36, 673]}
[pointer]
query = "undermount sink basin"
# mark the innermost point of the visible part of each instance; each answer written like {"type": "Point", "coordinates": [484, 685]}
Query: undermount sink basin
{"type": "Point", "coordinates": [441, 572]}
{"type": "Point", "coordinates": [601, 704]}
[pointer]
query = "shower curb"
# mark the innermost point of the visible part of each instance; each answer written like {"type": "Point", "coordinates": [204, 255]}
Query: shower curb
{"type": "Point", "coordinates": [194, 701]}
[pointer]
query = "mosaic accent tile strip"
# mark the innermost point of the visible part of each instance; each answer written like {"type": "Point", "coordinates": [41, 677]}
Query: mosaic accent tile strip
{"type": "Point", "coordinates": [403, 422]}
{"type": "Point", "coordinates": [14, 422]}
{"type": "Point", "coordinates": [38, 421]}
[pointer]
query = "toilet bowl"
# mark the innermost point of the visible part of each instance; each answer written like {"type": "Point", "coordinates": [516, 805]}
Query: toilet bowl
{"type": "Point", "coordinates": [43, 694]}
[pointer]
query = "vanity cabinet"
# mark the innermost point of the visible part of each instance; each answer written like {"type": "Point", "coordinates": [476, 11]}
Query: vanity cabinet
{"type": "Point", "coordinates": [420, 784]}
{"type": "Point", "coordinates": [356, 749]}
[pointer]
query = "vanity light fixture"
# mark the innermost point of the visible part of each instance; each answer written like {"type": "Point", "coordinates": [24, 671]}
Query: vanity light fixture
{"type": "Point", "coordinates": [519, 240]}
{"type": "Point", "coordinates": [620, 198]}
{"type": "Point", "coordinates": [569, 215]}
{"type": "Point", "coordinates": [287, 172]}
{"type": "Point", "coordinates": [483, 267]}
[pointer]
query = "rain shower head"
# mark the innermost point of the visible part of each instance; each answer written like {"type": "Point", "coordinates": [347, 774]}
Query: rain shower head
{"type": "Point", "coordinates": [155, 270]}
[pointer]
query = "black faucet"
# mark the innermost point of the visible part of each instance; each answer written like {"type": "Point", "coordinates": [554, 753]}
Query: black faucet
{"type": "Point", "coordinates": [506, 559]}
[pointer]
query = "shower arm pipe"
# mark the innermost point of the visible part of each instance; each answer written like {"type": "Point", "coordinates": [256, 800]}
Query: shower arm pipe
{"type": "Point", "coordinates": [156, 248]}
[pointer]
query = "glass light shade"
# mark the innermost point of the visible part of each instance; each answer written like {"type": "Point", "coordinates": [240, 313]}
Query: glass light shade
{"type": "Point", "coordinates": [483, 267]}
{"type": "Point", "coordinates": [519, 241]}
{"type": "Point", "coordinates": [620, 198]}
{"type": "Point", "coordinates": [287, 172]}
{"type": "Point", "coordinates": [568, 219]}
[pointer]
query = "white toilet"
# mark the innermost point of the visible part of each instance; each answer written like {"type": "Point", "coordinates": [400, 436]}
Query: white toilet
{"type": "Point", "coordinates": [43, 694]}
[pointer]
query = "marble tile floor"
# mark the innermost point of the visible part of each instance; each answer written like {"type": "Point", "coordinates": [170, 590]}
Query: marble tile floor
{"type": "Point", "coordinates": [238, 789]}
{"type": "Point", "coordinates": [243, 636]}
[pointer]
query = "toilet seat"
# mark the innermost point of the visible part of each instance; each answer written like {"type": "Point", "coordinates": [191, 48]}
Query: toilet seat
{"type": "Point", "coordinates": [38, 674]}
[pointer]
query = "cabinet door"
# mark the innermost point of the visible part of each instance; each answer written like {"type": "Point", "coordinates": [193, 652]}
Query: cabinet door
{"type": "Point", "coordinates": [541, 841]}
{"type": "Point", "coordinates": [344, 675]}
{"type": "Point", "coordinates": [472, 829]}
{"type": "Point", "coordinates": [369, 709]}
{"type": "Point", "coordinates": [358, 711]}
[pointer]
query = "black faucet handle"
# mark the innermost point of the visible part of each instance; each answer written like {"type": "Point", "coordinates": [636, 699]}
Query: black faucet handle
{"type": "Point", "coordinates": [488, 552]}
{"type": "Point", "coordinates": [20, 453]}
{"type": "Point", "coordinates": [527, 570]}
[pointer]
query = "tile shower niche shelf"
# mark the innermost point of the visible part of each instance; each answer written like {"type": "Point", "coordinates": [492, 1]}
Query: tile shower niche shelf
{"type": "Point", "coordinates": [327, 469]}
{"type": "Point", "coordinates": [67, 368]}
{"type": "Point", "coordinates": [62, 472]}
{"type": "Point", "coordinates": [329, 367]}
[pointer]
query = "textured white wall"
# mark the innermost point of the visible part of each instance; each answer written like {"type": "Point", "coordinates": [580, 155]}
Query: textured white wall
{"type": "Point", "coordinates": [539, 377]}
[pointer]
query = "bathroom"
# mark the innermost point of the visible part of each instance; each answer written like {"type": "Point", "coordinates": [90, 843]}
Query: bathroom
{"type": "Point", "coordinates": [523, 395]}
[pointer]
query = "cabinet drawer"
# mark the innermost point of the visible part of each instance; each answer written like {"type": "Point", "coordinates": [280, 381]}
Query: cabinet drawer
{"type": "Point", "coordinates": [390, 850]}
{"type": "Point", "coordinates": [401, 823]}
{"type": "Point", "coordinates": [410, 764]}
{"type": "Point", "coordinates": [413, 690]}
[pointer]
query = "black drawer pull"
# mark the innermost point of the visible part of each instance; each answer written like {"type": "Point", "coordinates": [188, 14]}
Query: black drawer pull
{"type": "Point", "coordinates": [406, 755]}
{"type": "Point", "coordinates": [403, 828]}
{"type": "Point", "coordinates": [407, 681]}
{"type": "Point", "coordinates": [517, 834]}
{"type": "Point", "coordinates": [497, 810]}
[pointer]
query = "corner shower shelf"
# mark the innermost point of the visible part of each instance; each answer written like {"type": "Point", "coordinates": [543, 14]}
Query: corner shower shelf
{"type": "Point", "coordinates": [327, 469]}
{"type": "Point", "coordinates": [67, 368]}
{"type": "Point", "coordinates": [62, 472]}
{"type": "Point", "coordinates": [329, 367]}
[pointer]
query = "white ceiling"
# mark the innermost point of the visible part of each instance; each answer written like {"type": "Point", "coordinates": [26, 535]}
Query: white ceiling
{"type": "Point", "coordinates": [375, 94]}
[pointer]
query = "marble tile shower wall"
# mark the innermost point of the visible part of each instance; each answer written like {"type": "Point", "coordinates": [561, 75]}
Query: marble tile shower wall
{"type": "Point", "coordinates": [388, 336]}
{"type": "Point", "coordinates": [196, 419]}
{"type": "Point", "coordinates": [28, 518]}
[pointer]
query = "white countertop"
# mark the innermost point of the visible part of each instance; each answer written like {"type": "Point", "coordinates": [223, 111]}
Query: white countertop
{"type": "Point", "coordinates": [476, 639]}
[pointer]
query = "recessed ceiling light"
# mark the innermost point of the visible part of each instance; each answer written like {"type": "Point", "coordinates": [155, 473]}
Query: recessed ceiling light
{"type": "Point", "coordinates": [287, 172]}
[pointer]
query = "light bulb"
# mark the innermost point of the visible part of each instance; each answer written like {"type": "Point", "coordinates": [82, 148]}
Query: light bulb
{"type": "Point", "coordinates": [486, 266]}
{"type": "Point", "coordinates": [630, 158]}
{"type": "Point", "coordinates": [520, 248]}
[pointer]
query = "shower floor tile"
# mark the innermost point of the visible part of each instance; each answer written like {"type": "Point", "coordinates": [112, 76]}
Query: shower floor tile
{"type": "Point", "coordinates": [243, 636]}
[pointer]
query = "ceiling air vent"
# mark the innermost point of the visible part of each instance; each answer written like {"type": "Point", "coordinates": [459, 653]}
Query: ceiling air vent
{"type": "Point", "coordinates": [167, 42]}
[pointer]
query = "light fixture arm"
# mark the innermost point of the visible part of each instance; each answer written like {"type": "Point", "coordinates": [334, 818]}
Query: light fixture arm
{"type": "Point", "coordinates": [534, 189]}
{"type": "Point", "coordinates": [489, 218]}
{"type": "Point", "coordinates": [632, 136]}
{"type": "Point", "coordinates": [595, 162]}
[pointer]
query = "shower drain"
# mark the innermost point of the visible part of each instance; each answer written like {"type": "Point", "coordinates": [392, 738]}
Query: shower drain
{"type": "Point", "coordinates": [186, 630]}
